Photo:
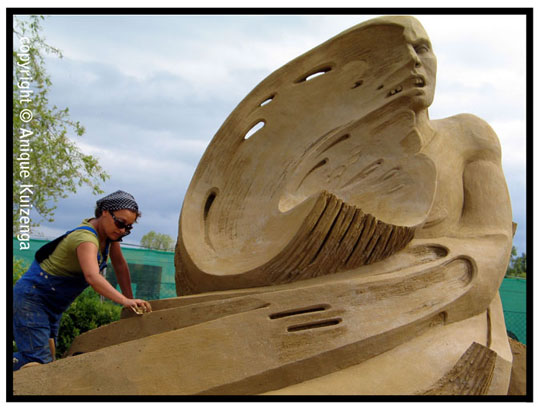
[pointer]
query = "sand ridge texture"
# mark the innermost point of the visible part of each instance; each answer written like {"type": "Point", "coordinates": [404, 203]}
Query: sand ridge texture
{"type": "Point", "coordinates": [518, 377]}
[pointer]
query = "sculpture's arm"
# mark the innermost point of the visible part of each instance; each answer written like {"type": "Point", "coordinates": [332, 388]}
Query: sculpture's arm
{"type": "Point", "coordinates": [486, 203]}
{"type": "Point", "coordinates": [484, 232]}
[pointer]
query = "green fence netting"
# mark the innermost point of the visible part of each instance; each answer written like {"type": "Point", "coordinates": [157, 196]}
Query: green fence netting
{"type": "Point", "coordinates": [152, 277]}
{"type": "Point", "coordinates": [514, 299]}
{"type": "Point", "coordinates": [152, 272]}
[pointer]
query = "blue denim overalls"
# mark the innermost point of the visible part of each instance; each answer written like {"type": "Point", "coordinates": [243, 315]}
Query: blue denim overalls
{"type": "Point", "coordinates": [39, 299]}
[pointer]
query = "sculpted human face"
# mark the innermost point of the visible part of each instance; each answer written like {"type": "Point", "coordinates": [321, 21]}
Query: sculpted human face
{"type": "Point", "coordinates": [401, 63]}
{"type": "Point", "coordinates": [424, 67]}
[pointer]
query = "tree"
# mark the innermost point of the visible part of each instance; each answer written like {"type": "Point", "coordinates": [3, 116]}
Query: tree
{"type": "Point", "coordinates": [47, 164]}
{"type": "Point", "coordinates": [160, 241]}
{"type": "Point", "coordinates": [518, 265]}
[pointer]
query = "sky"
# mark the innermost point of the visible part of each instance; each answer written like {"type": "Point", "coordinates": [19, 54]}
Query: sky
{"type": "Point", "coordinates": [152, 91]}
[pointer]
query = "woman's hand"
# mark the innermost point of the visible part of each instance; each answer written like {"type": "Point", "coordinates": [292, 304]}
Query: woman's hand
{"type": "Point", "coordinates": [138, 306]}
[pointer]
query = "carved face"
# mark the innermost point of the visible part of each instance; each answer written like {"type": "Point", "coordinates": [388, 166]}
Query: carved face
{"type": "Point", "coordinates": [422, 81]}
{"type": "Point", "coordinates": [399, 64]}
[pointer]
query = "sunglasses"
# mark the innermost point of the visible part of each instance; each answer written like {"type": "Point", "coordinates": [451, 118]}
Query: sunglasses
{"type": "Point", "coordinates": [121, 224]}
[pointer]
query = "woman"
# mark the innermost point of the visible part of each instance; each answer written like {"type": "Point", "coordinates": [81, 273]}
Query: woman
{"type": "Point", "coordinates": [64, 268]}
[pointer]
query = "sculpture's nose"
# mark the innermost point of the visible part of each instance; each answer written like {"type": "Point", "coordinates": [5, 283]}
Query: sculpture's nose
{"type": "Point", "coordinates": [414, 56]}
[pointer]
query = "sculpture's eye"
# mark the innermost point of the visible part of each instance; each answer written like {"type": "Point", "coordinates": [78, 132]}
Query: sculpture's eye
{"type": "Point", "coordinates": [421, 48]}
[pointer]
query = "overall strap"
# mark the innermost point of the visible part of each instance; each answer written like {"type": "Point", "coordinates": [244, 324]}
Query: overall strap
{"type": "Point", "coordinates": [100, 261]}
{"type": "Point", "coordinates": [86, 228]}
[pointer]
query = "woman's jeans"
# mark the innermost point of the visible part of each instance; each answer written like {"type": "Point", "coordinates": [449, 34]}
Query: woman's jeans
{"type": "Point", "coordinates": [39, 299]}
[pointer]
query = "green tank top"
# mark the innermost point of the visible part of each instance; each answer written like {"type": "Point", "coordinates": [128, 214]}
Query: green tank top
{"type": "Point", "coordinates": [64, 260]}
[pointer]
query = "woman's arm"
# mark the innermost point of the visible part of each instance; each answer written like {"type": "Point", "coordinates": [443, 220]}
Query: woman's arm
{"type": "Point", "coordinates": [87, 256]}
{"type": "Point", "coordinates": [122, 269]}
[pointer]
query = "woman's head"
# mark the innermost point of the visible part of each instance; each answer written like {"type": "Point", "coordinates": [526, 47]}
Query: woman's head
{"type": "Point", "coordinates": [118, 211]}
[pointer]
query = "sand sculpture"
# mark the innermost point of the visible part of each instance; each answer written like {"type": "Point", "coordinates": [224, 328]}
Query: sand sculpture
{"type": "Point", "coordinates": [350, 246]}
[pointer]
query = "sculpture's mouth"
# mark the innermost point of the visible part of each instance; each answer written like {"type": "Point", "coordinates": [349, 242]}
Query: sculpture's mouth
{"type": "Point", "coordinates": [417, 81]}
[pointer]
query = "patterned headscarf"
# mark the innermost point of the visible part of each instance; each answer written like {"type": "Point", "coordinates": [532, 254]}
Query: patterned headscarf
{"type": "Point", "coordinates": [116, 201]}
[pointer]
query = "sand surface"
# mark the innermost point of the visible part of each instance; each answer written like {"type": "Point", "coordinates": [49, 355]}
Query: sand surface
{"type": "Point", "coordinates": [518, 378]}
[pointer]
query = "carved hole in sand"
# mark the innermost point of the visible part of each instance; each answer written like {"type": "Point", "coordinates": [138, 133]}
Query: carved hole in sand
{"type": "Point", "coordinates": [428, 253]}
{"type": "Point", "coordinates": [439, 319]}
{"type": "Point", "coordinates": [338, 141]}
{"type": "Point", "coordinates": [315, 167]}
{"type": "Point", "coordinates": [314, 325]}
{"type": "Point", "coordinates": [258, 126]}
{"type": "Point", "coordinates": [264, 306]}
{"type": "Point", "coordinates": [310, 309]}
{"type": "Point", "coordinates": [312, 75]}
{"type": "Point", "coordinates": [465, 268]}
{"type": "Point", "coordinates": [380, 87]}
{"type": "Point", "coordinates": [357, 84]}
{"type": "Point", "coordinates": [207, 207]}
{"type": "Point", "coordinates": [209, 201]}
{"type": "Point", "coordinates": [267, 100]}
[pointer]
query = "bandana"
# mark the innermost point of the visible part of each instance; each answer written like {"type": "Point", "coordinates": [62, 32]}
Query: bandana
{"type": "Point", "coordinates": [116, 201]}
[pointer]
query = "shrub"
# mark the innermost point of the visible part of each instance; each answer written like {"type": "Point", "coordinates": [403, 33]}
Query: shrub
{"type": "Point", "coordinates": [85, 313]}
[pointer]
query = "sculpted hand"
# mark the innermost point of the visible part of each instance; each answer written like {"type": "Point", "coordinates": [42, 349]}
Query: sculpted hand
{"type": "Point", "coordinates": [138, 306]}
